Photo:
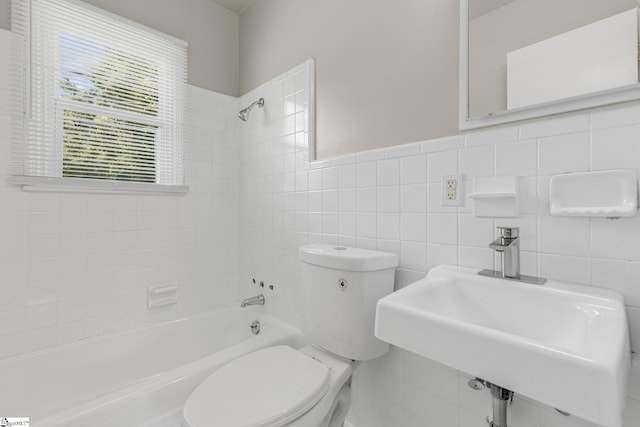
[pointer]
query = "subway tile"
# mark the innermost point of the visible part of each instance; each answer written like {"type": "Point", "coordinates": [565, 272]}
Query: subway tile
{"type": "Point", "coordinates": [330, 223]}
{"type": "Point", "coordinates": [370, 156]}
{"type": "Point", "coordinates": [331, 201]}
{"type": "Point", "coordinates": [477, 162]}
{"type": "Point", "coordinates": [564, 153]}
{"type": "Point", "coordinates": [403, 150]}
{"type": "Point", "coordinates": [388, 226]}
{"type": "Point", "coordinates": [414, 227]}
{"type": "Point", "coordinates": [315, 222]}
{"type": "Point", "coordinates": [475, 257]}
{"type": "Point", "coordinates": [367, 225]}
{"type": "Point", "coordinates": [565, 268]}
{"type": "Point", "coordinates": [367, 199]}
{"type": "Point", "coordinates": [615, 148]}
{"type": "Point", "coordinates": [330, 178]}
{"type": "Point", "coordinates": [348, 223]}
{"type": "Point", "coordinates": [301, 181]}
{"type": "Point", "coordinates": [618, 275]}
{"type": "Point", "coordinates": [616, 238]}
{"type": "Point", "coordinates": [564, 236]}
{"type": "Point", "coordinates": [388, 172]}
{"type": "Point", "coordinates": [443, 144]}
{"type": "Point", "coordinates": [413, 198]}
{"type": "Point", "coordinates": [443, 229]}
{"type": "Point", "coordinates": [491, 136]}
{"type": "Point", "coordinates": [430, 376]}
{"type": "Point", "coordinates": [524, 413]}
{"type": "Point", "coordinates": [347, 176]}
{"type": "Point", "coordinates": [517, 158]}
{"type": "Point", "coordinates": [441, 254]}
{"type": "Point", "coordinates": [345, 159]}
{"type": "Point", "coordinates": [347, 200]}
{"type": "Point", "coordinates": [314, 201]}
{"type": "Point", "coordinates": [367, 174]}
{"type": "Point", "coordinates": [442, 163]}
{"type": "Point", "coordinates": [475, 231]}
{"type": "Point", "coordinates": [619, 115]}
{"type": "Point", "coordinates": [315, 179]}
{"type": "Point", "coordinates": [413, 256]}
{"type": "Point", "coordinates": [388, 199]}
{"type": "Point", "coordinates": [413, 170]}
{"type": "Point", "coordinates": [631, 413]}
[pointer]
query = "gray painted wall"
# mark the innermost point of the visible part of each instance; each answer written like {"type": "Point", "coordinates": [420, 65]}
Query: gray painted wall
{"type": "Point", "coordinates": [386, 72]}
{"type": "Point", "coordinates": [210, 30]}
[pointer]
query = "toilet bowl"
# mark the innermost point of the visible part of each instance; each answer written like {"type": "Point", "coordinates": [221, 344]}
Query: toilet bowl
{"type": "Point", "coordinates": [309, 387]}
{"type": "Point", "coordinates": [272, 387]}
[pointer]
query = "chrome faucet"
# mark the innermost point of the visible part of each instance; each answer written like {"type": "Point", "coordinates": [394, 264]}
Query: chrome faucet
{"type": "Point", "coordinates": [508, 246]}
{"type": "Point", "coordinates": [257, 300]}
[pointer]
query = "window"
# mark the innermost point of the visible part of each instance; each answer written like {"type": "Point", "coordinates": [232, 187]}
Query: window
{"type": "Point", "coordinates": [105, 101]}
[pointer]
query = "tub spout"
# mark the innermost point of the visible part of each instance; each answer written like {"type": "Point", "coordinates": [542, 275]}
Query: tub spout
{"type": "Point", "coordinates": [257, 300]}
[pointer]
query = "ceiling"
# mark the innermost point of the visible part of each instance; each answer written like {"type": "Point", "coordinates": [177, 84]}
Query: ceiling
{"type": "Point", "coordinates": [236, 6]}
{"type": "Point", "coordinates": [476, 7]}
{"type": "Point", "coordinates": [481, 7]}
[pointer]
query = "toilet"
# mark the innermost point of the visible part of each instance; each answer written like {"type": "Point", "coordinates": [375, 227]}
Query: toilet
{"type": "Point", "coordinates": [308, 387]}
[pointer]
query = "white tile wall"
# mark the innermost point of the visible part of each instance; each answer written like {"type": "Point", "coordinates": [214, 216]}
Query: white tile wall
{"type": "Point", "coordinates": [389, 199]}
{"type": "Point", "coordinates": [74, 265]}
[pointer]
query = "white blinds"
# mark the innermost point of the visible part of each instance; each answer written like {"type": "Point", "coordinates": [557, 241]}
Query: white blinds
{"type": "Point", "coordinates": [105, 96]}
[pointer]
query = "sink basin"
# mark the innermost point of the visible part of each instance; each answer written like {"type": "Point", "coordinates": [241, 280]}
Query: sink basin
{"type": "Point", "coordinates": [562, 344]}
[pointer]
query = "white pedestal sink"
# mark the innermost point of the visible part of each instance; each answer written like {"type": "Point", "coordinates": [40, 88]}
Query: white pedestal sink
{"type": "Point", "coordinates": [562, 344]}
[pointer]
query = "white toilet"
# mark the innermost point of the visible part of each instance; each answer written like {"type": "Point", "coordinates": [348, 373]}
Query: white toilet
{"type": "Point", "coordinates": [310, 387]}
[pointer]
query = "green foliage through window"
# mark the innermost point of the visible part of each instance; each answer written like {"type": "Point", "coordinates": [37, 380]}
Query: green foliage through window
{"type": "Point", "coordinates": [108, 138]}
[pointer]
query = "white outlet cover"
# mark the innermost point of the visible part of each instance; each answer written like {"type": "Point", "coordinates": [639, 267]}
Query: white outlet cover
{"type": "Point", "coordinates": [459, 190]}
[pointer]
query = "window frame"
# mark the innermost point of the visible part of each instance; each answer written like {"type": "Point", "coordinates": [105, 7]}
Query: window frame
{"type": "Point", "coordinates": [170, 163]}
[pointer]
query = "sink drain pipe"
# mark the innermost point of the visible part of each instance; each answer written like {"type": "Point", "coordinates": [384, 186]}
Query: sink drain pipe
{"type": "Point", "coordinates": [500, 398]}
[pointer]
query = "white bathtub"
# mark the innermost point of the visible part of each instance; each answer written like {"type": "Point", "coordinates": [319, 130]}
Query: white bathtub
{"type": "Point", "coordinates": [131, 378]}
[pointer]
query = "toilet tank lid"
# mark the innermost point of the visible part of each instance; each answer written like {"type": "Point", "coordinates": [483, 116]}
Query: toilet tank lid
{"type": "Point", "coordinates": [346, 258]}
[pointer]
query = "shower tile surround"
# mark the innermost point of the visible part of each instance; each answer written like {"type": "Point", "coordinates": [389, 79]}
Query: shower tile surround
{"type": "Point", "coordinates": [78, 265]}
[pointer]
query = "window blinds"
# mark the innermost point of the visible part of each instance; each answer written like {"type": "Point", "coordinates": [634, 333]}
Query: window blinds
{"type": "Point", "coordinates": [105, 96]}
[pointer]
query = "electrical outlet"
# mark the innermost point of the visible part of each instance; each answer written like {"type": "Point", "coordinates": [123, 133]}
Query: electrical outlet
{"type": "Point", "coordinates": [452, 190]}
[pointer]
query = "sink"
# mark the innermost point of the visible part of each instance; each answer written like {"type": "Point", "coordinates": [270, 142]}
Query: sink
{"type": "Point", "coordinates": [562, 344]}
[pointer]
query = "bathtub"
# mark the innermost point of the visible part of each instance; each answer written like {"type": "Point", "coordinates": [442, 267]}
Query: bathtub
{"type": "Point", "coordinates": [131, 378]}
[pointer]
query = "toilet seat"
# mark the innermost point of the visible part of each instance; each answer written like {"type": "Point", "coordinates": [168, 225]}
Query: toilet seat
{"type": "Point", "coordinates": [269, 387]}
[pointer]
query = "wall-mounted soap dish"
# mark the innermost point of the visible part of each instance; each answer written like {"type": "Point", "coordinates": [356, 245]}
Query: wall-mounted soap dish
{"type": "Point", "coordinates": [610, 194]}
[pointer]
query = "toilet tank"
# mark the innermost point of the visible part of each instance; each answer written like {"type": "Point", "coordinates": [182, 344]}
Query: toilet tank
{"type": "Point", "coordinates": [342, 286]}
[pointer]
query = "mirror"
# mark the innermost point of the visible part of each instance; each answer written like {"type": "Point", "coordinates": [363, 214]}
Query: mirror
{"type": "Point", "coordinates": [522, 59]}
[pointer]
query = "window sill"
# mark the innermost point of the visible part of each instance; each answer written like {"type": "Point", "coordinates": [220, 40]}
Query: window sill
{"type": "Point", "coordinates": [95, 186]}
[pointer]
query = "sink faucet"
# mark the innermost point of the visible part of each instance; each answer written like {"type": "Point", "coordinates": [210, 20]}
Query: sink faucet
{"type": "Point", "coordinates": [508, 245]}
{"type": "Point", "coordinates": [257, 300]}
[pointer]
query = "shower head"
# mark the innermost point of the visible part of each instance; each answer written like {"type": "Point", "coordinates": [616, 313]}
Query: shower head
{"type": "Point", "coordinates": [244, 114]}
